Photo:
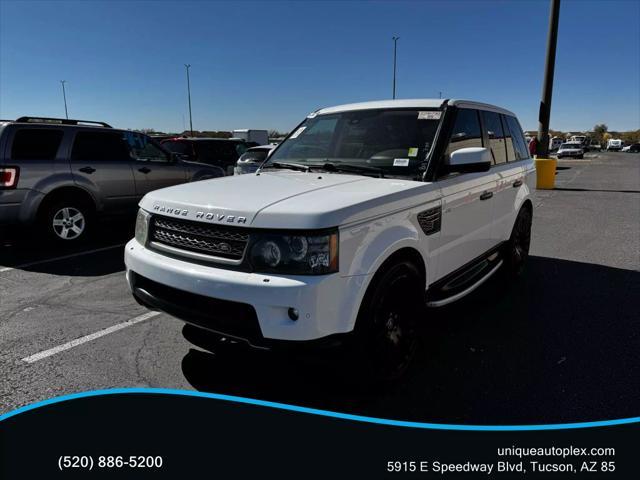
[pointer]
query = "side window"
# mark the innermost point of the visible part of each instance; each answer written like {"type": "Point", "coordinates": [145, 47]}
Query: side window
{"type": "Point", "coordinates": [143, 149]}
{"type": "Point", "coordinates": [178, 146]}
{"type": "Point", "coordinates": [495, 133]}
{"type": "Point", "coordinates": [519, 142]}
{"type": "Point", "coordinates": [104, 146]}
{"type": "Point", "coordinates": [511, 152]}
{"type": "Point", "coordinates": [36, 144]}
{"type": "Point", "coordinates": [466, 131]}
{"type": "Point", "coordinates": [241, 148]}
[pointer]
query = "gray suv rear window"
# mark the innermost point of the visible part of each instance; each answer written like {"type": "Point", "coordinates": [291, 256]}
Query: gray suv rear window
{"type": "Point", "coordinates": [36, 144]}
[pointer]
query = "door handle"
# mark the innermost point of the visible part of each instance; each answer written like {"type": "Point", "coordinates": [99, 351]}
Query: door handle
{"type": "Point", "coordinates": [486, 195]}
{"type": "Point", "coordinates": [144, 170]}
{"type": "Point", "coordinates": [517, 183]}
{"type": "Point", "coordinates": [88, 170]}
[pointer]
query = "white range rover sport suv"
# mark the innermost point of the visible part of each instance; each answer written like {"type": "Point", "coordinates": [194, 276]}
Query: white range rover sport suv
{"type": "Point", "coordinates": [364, 216]}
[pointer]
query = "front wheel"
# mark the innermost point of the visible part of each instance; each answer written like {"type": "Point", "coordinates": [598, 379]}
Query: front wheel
{"type": "Point", "coordinates": [386, 327]}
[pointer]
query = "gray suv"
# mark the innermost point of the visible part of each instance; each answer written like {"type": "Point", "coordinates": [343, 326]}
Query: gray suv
{"type": "Point", "coordinates": [61, 174]}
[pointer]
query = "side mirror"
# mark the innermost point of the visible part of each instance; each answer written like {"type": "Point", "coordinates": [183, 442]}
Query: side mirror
{"type": "Point", "coordinates": [470, 159]}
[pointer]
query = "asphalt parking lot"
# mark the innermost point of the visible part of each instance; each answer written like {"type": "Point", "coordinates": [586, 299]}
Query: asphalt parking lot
{"type": "Point", "coordinates": [560, 345]}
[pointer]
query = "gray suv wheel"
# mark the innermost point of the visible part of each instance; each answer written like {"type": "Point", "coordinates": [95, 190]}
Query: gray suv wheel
{"type": "Point", "coordinates": [67, 221]}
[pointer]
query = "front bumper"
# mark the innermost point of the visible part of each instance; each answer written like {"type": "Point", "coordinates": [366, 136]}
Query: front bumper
{"type": "Point", "coordinates": [247, 306]}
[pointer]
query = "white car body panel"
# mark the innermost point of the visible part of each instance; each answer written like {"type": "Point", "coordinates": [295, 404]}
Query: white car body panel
{"type": "Point", "coordinates": [375, 217]}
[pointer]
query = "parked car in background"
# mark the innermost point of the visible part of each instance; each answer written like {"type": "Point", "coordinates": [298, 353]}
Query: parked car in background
{"type": "Point", "coordinates": [633, 148]}
{"type": "Point", "coordinates": [61, 174]}
{"type": "Point", "coordinates": [571, 149]}
{"type": "Point", "coordinates": [364, 216]}
{"type": "Point", "coordinates": [614, 145]}
{"type": "Point", "coordinates": [554, 143]}
{"type": "Point", "coordinates": [595, 147]}
{"type": "Point", "coordinates": [259, 137]}
{"type": "Point", "coordinates": [583, 140]}
{"type": "Point", "coordinates": [220, 152]}
{"type": "Point", "coordinates": [250, 160]}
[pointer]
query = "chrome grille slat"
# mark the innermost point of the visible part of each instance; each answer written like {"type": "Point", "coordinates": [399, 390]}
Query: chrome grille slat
{"type": "Point", "coordinates": [210, 240]}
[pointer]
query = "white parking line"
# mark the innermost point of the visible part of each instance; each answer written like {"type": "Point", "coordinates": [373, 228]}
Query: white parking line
{"type": "Point", "coordinates": [88, 338]}
{"type": "Point", "coordinates": [64, 257]}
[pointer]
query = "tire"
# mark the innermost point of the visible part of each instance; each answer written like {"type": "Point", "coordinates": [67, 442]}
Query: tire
{"type": "Point", "coordinates": [386, 336]}
{"type": "Point", "coordinates": [580, 157]}
{"type": "Point", "coordinates": [517, 248]}
{"type": "Point", "coordinates": [67, 221]}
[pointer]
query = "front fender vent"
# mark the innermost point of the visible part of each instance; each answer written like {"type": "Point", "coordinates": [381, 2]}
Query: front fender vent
{"type": "Point", "coordinates": [430, 220]}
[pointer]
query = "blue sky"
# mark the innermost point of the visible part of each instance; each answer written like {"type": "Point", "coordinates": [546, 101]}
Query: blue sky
{"type": "Point", "coordinates": [267, 64]}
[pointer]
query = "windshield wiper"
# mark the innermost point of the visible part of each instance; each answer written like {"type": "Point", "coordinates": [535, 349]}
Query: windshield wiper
{"type": "Point", "coordinates": [349, 167]}
{"type": "Point", "coordinates": [293, 166]}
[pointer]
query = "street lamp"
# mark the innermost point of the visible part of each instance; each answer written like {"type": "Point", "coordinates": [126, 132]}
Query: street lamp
{"type": "Point", "coordinates": [187, 66]}
{"type": "Point", "coordinates": [544, 115]}
{"type": "Point", "coordinates": [64, 96]}
{"type": "Point", "coordinates": [395, 51]}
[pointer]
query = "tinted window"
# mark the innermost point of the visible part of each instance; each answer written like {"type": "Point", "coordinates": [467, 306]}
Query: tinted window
{"type": "Point", "coordinates": [466, 131]}
{"type": "Point", "coordinates": [511, 152]}
{"type": "Point", "coordinates": [183, 148]}
{"type": "Point", "coordinates": [495, 132]}
{"type": "Point", "coordinates": [216, 151]}
{"type": "Point", "coordinates": [144, 149]}
{"type": "Point", "coordinates": [519, 142]}
{"type": "Point", "coordinates": [107, 146]}
{"type": "Point", "coordinates": [34, 144]}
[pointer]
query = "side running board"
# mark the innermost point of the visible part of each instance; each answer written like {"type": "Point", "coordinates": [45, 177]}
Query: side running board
{"type": "Point", "coordinates": [446, 301]}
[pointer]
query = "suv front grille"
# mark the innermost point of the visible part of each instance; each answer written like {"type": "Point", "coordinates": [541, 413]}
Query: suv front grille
{"type": "Point", "coordinates": [212, 240]}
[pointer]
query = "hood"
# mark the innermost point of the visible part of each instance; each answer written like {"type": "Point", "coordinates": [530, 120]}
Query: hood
{"type": "Point", "coordinates": [287, 199]}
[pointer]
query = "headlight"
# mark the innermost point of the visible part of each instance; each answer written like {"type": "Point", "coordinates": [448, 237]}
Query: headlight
{"type": "Point", "coordinates": [142, 226]}
{"type": "Point", "coordinates": [295, 254]}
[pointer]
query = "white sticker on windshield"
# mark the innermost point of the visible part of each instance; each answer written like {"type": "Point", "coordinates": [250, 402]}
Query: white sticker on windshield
{"type": "Point", "coordinates": [413, 152]}
{"type": "Point", "coordinates": [297, 132]}
{"type": "Point", "coordinates": [400, 162]}
{"type": "Point", "coordinates": [429, 115]}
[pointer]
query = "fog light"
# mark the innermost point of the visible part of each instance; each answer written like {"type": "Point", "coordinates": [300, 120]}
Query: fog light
{"type": "Point", "coordinates": [293, 314]}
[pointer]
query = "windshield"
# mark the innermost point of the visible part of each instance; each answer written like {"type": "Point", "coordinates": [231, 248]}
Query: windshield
{"type": "Point", "coordinates": [570, 145]}
{"type": "Point", "coordinates": [395, 141]}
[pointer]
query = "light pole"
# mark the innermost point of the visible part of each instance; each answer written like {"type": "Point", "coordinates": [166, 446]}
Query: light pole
{"type": "Point", "coordinates": [395, 51]}
{"type": "Point", "coordinates": [544, 115]}
{"type": "Point", "coordinates": [187, 66]}
{"type": "Point", "coordinates": [64, 96]}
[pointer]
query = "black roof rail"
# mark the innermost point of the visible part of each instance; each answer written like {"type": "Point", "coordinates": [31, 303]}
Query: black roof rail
{"type": "Point", "coordinates": [61, 121]}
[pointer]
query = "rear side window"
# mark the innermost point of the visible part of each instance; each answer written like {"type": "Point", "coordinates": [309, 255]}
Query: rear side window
{"type": "Point", "coordinates": [495, 133]}
{"type": "Point", "coordinates": [519, 143]}
{"type": "Point", "coordinates": [466, 131]}
{"type": "Point", "coordinates": [36, 144]}
{"type": "Point", "coordinates": [511, 151]}
{"type": "Point", "coordinates": [102, 146]}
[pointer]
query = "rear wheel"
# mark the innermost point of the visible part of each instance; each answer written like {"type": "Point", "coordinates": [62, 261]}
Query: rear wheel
{"type": "Point", "coordinates": [67, 221]}
{"type": "Point", "coordinates": [386, 327]}
{"type": "Point", "coordinates": [517, 248]}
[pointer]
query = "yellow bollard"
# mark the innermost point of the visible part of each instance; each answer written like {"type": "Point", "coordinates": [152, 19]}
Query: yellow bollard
{"type": "Point", "coordinates": [546, 173]}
